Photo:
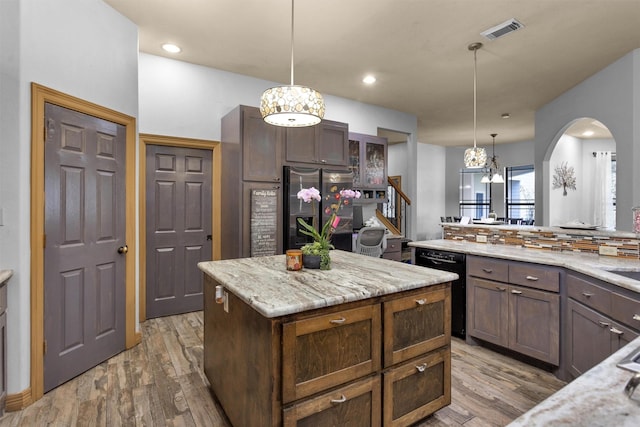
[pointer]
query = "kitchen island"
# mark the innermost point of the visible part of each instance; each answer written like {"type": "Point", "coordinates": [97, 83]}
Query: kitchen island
{"type": "Point", "coordinates": [365, 343]}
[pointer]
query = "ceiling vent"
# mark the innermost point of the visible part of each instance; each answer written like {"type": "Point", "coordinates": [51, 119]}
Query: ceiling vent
{"type": "Point", "coordinates": [502, 29]}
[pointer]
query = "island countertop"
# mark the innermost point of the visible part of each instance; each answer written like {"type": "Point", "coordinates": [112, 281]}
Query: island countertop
{"type": "Point", "coordinates": [265, 284]}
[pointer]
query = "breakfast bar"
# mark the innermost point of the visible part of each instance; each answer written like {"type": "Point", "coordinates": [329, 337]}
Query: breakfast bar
{"type": "Point", "coordinates": [347, 346]}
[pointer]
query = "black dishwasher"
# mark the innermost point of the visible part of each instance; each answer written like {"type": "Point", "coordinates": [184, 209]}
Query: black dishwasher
{"type": "Point", "coordinates": [453, 262]}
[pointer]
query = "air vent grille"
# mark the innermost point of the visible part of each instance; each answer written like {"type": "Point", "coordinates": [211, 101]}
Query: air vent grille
{"type": "Point", "coordinates": [502, 29]}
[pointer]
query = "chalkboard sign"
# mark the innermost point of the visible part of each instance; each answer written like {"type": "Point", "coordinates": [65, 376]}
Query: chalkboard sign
{"type": "Point", "coordinates": [264, 222]}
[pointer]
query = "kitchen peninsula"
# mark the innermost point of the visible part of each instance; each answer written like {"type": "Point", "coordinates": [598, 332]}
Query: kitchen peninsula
{"type": "Point", "coordinates": [316, 347]}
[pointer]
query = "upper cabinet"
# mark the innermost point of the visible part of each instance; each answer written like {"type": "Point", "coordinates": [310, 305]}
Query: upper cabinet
{"type": "Point", "coordinates": [323, 144]}
{"type": "Point", "coordinates": [368, 161]}
{"type": "Point", "coordinates": [261, 148]}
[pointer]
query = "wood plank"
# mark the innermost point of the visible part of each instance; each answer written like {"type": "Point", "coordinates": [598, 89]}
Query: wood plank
{"type": "Point", "coordinates": [142, 386]}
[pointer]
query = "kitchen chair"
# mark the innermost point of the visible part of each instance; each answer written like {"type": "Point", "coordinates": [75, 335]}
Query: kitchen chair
{"type": "Point", "coordinates": [370, 241]}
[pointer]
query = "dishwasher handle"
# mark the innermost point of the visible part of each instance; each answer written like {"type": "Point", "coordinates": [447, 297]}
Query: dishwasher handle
{"type": "Point", "coordinates": [439, 261]}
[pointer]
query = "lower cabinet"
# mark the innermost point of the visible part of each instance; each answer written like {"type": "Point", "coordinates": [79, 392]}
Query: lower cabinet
{"type": "Point", "coordinates": [595, 323]}
{"type": "Point", "coordinates": [525, 319]}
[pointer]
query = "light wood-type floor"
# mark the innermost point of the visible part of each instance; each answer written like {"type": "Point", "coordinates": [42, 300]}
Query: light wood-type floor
{"type": "Point", "coordinates": [161, 383]}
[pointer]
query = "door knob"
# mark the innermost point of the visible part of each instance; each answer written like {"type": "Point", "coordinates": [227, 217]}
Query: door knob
{"type": "Point", "coordinates": [123, 249]}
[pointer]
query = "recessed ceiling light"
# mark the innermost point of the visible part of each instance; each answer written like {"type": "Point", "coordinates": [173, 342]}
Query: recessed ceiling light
{"type": "Point", "coordinates": [587, 133]}
{"type": "Point", "coordinates": [171, 48]}
{"type": "Point", "coordinates": [505, 115]}
{"type": "Point", "coordinates": [369, 79]}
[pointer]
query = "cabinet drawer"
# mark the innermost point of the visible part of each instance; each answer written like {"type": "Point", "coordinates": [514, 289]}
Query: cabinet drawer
{"type": "Point", "coordinates": [417, 388]}
{"type": "Point", "coordinates": [329, 350]}
{"type": "Point", "coordinates": [626, 310]}
{"type": "Point", "coordinates": [393, 245]}
{"type": "Point", "coordinates": [589, 294]}
{"type": "Point", "coordinates": [416, 324]}
{"type": "Point", "coordinates": [354, 405]}
{"type": "Point", "coordinates": [533, 276]}
{"type": "Point", "coordinates": [394, 256]}
{"type": "Point", "coordinates": [488, 268]}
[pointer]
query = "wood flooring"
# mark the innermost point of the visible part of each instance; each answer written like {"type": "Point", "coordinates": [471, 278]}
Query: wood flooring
{"type": "Point", "coordinates": [161, 383]}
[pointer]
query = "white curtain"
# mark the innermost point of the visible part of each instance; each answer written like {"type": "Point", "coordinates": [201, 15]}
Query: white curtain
{"type": "Point", "coordinates": [603, 214]}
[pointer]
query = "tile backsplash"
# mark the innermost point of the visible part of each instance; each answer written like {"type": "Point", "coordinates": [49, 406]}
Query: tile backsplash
{"type": "Point", "coordinates": [623, 245]}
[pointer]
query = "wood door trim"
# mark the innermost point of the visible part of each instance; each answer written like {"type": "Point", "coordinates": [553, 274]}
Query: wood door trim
{"type": "Point", "coordinates": [172, 141]}
{"type": "Point", "coordinates": [40, 95]}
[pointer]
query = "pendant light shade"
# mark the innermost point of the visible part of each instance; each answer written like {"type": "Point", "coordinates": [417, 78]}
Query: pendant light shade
{"type": "Point", "coordinates": [493, 175]}
{"type": "Point", "coordinates": [475, 157]}
{"type": "Point", "coordinates": [292, 106]}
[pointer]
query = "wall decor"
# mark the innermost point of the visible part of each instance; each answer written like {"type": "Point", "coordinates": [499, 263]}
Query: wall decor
{"type": "Point", "coordinates": [564, 177]}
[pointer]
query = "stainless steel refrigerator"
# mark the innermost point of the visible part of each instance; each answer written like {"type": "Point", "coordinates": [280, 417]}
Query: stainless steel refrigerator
{"type": "Point", "coordinates": [329, 182]}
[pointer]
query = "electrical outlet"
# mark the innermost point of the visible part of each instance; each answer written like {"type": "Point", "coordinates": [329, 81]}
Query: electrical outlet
{"type": "Point", "coordinates": [226, 302]}
{"type": "Point", "coordinates": [608, 250]}
{"type": "Point", "coordinates": [481, 238]}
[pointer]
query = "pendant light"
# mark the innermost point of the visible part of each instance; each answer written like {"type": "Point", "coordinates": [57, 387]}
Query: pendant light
{"type": "Point", "coordinates": [493, 176]}
{"type": "Point", "coordinates": [292, 106]}
{"type": "Point", "coordinates": [475, 157]}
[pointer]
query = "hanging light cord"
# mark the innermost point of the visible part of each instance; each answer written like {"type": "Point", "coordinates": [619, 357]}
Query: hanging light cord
{"type": "Point", "coordinates": [292, 13]}
{"type": "Point", "coordinates": [475, 85]}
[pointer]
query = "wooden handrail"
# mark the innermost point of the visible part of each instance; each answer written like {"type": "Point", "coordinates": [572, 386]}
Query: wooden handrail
{"type": "Point", "coordinates": [399, 191]}
{"type": "Point", "coordinates": [383, 219]}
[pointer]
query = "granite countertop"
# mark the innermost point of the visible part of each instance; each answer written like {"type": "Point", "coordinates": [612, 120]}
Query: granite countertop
{"type": "Point", "coordinates": [266, 285]}
{"type": "Point", "coordinates": [594, 399]}
{"type": "Point", "coordinates": [5, 275]}
{"type": "Point", "coordinates": [596, 266]}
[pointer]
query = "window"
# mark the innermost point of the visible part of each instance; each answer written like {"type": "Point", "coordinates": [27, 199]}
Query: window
{"type": "Point", "coordinates": [520, 193]}
{"type": "Point", "coordinates": [475, 197]}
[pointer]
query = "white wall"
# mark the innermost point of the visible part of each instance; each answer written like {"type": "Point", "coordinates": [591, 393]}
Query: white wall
{"type": "Point", "coordinates": [567, 208]}
{"type": "Point", "coordinates": [430, 200]}
{"type": "Point", "coordinates": [79, 47]}
{"type": "Point", "coordinates": [611, 96]}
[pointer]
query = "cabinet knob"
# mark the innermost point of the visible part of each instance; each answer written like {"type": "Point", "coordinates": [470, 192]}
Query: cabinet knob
{"type": "Point", "coordinates": [342, 399]}
{"type": "Point", "coordinates": [421, 301]}
{"type": "Point", "coordinates": [421, 368]}
{"type": "Point", "coordinates": [338, 321]}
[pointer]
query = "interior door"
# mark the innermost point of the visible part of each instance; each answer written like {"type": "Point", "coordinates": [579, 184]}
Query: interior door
{"type": "Point", "coordinates": [84, 264]}
{"type": "Point", "coordinates": [178, 220]}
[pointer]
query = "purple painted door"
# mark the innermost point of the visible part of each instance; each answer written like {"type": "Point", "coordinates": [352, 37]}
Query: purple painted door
{"type": "Point", "coordinates": [84, 273]}
{"type": "Point", "coordinates": [178, 220]}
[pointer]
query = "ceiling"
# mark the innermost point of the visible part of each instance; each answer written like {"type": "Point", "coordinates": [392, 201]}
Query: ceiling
{"type": "Point", "coordinates": [417, 49]}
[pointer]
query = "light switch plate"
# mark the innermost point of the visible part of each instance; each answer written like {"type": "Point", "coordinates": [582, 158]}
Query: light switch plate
{"type": "Point", "coordinates": [608, 250]}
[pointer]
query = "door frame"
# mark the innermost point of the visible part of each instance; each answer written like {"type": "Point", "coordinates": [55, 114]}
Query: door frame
{"type": "Point", "coordinates": [216, 163]}
{"type": "Point", "coordinates": [40, 95]}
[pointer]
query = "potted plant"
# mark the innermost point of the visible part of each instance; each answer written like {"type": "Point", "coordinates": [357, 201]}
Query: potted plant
{"type": "Point", "coordinates": [321, 240]}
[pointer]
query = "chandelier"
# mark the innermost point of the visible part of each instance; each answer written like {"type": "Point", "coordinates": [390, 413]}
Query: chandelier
{"type": "Point", "coordinates": [475, 157]}
{"type": "Point", "coordinates": [292, 106]}
{"type": "Point", "coordinates": [493, 175]}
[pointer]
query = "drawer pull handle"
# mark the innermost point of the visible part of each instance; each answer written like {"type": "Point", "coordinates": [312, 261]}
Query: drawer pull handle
{"type": "Point", "coordinates": [532, 278]}
{"type": "Point", "coordinates": [514, 291]}
{"type": "Point", "coordinates": [636, 317]}
{"type": "Point", "coordinates": [421, 301]}
{"type": "Point", "coordinates": [603, 324]}
{"type": "Point", "coordinates": [338, 321]}
{"type": "Point", "coordinates": [501, 289]}
{"type": "Point", "coordinates": [341, 400]}
{"type": "Point", "coordinates": [421, 368]}
{"type": "Point", "coordinates": [487, 270]}
{"type": "Point", "coordinates": [616, 331]}
{"type": "Point", "coordinates": [587, 294]}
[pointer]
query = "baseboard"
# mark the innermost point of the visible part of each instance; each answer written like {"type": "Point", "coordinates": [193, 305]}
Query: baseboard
{"type": "Point", "coordinates": [18, 401]}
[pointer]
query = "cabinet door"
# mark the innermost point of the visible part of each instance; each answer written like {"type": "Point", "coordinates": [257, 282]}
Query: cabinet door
{"type": "Point", "coordinates": [375, 163]}
{"type": "Point", "coordinates": [333, 143]}
{"type": "Point", "coordinates": [261, 148]}
{"type": "Point", "coordinates": [301, 144]}
{"type": "Point", "coordinates": [488, 311]}
{"type": "Point", "coordinates": [534, 323]}
{"type": "Point", "coordinates": [416, 389]}
{"type": "Point", "coordinates": [262, 219]}
{"type": "Point", "coordinates": [354, 405]}
{"type": "Point", "coordinates": [354, 161]}
{"type": "Point", "coordinates": [416, 324]}
{"type": "Point", "coordinates": [588, 338]}
{"type": "Point", "coordinates": [329, 350]}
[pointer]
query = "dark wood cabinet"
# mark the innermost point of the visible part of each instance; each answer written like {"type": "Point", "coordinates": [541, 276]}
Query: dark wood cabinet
{"type": "Point", "coordinates": [596, 322]}
{"type": "Point", "coordinates": [525, 319]}
{"type": "Point", "coordinates": [367, 158]}
{"type": "Point", "coordinates": [323, 144]}
{"type": "Point", "coordinates": [394, 249]}
{"type": "Point", "coordinates": [326, 367]}
{"type": "Point", "coordinates": [261, 148]}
